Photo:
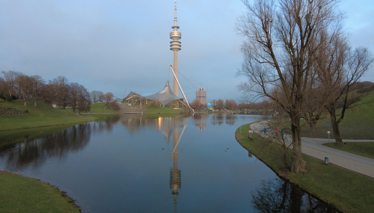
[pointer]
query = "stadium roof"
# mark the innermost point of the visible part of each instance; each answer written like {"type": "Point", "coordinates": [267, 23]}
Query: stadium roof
{"type": "Point", "coordinates": [164, 96]}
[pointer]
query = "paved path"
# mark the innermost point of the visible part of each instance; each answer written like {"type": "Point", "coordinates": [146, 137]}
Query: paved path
{"type": "Point", "coordinates": [314, 148]}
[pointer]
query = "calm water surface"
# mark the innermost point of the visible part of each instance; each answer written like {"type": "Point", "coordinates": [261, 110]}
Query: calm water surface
{"type": "Point", "coordinates": [137, 164]}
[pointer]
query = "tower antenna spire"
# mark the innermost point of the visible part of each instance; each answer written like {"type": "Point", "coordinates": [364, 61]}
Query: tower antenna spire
{"type": "Point", "coordinates": [175, 46]}
{"type": "Point", "coordinates": [175, 14]}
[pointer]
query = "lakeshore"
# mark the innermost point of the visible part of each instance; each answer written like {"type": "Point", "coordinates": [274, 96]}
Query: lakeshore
{"type": "Point", "coordinates": [136, 154]}
{"type": "Point", "coordinates": [348, 191]}
{"type": "Point", "coordinates": [24, 194]}
{"type": "Point", "coordinates": [281, 172]}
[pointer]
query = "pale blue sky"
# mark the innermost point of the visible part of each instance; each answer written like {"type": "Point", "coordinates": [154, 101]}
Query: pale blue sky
{"type": "Point", "coordinates": [117, 46]}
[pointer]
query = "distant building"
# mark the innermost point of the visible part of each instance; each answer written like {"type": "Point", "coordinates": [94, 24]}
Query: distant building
{"type": "Point", "coordinates": [201, 96]}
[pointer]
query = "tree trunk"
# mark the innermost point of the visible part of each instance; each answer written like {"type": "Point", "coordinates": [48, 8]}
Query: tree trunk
{"type": "Point", "coordinates": [35, 103]}
{"type": "Point", "coordinates": [24, 100]}
{"type": "Point", "coordinates": [312, 125]}
{"type": "Point", "coordinates": [335, 128]}
{"type": "Point", "coordinates": [298, 164]}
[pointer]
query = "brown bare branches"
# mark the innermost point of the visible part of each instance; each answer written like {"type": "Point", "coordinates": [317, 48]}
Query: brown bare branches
{"type": "Point", "coordinates": [283, 39]}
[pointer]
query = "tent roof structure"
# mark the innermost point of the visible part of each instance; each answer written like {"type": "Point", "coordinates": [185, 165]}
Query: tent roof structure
{"type": "Point", "coordinates": [131, 93]}
{"type": "Point", "coordinates": [164, 96]}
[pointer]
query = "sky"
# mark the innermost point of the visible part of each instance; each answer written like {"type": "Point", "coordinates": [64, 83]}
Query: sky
{"type": "Point", "coordinates": [120, 46]}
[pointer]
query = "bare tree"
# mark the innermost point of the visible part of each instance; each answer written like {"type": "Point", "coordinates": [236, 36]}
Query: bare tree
{"type": "Point", "coordinates": [73, 95]}
{"type": "Point", "coordinates": [219, 104]}
{"type": "Point", "coordinates": [61, 91]}
{"type": "Point", "coordinates": [47, 94]}
{"type": "Point", "coordinates": [95, 95]}
{"type": "Point", "coordinates": [283, 37]}
{"type": "Point", "coordinates": [108, 97]}
{"type": "Point", "coordinates": [2, 87]}
{"type": "Point", "coordinates": [101, 97]}
{"type": "Point", "coordinates": [230, 104]}
{"type": "Point", "coordinates": [10, 81]}
{"type": "Point", "coordinates": [84, 99]}
{"type": "Point", "coordinates": [339, 68]}
{"type": "Point", "coordinates": [37, 84]}
{"type": "Point", "coordinates": [24, 83]}
{"type": "Point", "coordinates": [195, 104]}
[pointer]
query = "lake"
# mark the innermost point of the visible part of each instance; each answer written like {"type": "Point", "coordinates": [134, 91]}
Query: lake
{"type": "Point", "coordinates": [134, 163]}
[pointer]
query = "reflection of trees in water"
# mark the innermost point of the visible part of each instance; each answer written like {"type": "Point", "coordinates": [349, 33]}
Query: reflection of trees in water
{"type": "Point", "coordinates": [106, 124]}
{"type": "Point", "coordinates": [133, 122]}
{"type": "Point", "coordinates": [199, 116]}
{"type": "Point", "coordinates": [217, 119]}
{"type": "Point", "coordinates": [230, 119]}
{"type": "Point", "coordinates": [281, 196]}
{"type": "Point", "coordinates": [200, 120]}
{"type": "Point", "coordinates": [34, 153]}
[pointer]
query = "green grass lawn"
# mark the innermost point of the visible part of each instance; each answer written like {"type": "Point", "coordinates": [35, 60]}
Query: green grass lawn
{"type": "Point", "coordinates": [358, 122]}
{"type": "Point", "coordinates": [346, 190]}
{"type": "Point", "coordinates": [43, 115]}
{"type": "Point", "coordinates": [100, 108]}
{"type": "Point", "coordinates": [161, 110]}
{"type": "Point", "coordinates": [360, 148]}
{"type": "Point", "coordinates": [23, 194]}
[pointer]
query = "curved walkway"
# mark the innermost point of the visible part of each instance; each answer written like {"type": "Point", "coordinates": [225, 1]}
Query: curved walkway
{"type": "Point", "coordinates": [313, 147]}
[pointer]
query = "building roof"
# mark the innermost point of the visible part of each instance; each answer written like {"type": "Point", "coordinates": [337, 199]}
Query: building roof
{"type": "Point", "coordinates": [131, 94]}
{"type": "Point", "coordinates": [164, 96]}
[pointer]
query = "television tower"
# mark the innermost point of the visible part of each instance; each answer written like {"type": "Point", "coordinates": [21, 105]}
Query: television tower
{"type": "Point", "coordinates": [175, 46]}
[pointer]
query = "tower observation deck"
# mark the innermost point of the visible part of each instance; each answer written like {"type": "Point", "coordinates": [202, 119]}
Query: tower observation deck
{"type": "Point", "coordinates": [175, 46]}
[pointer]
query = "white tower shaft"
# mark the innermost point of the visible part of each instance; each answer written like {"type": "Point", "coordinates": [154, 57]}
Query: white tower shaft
{"type": "Point", "coordinates": [175, 46]}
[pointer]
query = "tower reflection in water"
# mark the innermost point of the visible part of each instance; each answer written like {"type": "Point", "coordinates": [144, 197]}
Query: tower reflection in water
{"type": "Point", "coordinates": [166, 125]}
{"type": "Point", "coordinates": [175, 173]}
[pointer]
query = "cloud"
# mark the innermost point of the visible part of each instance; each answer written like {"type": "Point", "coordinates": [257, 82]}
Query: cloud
{"type": "Point", "coordinates": [118, 46]}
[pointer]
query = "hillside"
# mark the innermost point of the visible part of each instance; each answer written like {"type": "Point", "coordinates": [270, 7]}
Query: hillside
{"type": "Point", "coordinates": [358, 122]}
{"type": "Point", "coordinates": [43, 115]}
{"type": "Point", "coordinates": [99, 108]}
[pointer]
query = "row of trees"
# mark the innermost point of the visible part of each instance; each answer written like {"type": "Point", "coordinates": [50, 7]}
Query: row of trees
{"type": "Point", "coordinates": [217, 104]}
{"type": "Point", "coordinates": [100, 97]}
{"type": "Point", "coordinates": [256, 106]}
{"type": "Point", "coordinates": [107, 98]}
{"type": "Point", "coordinates": [297, 56]}
{"type": "Point", "coordinates": [59, 91]}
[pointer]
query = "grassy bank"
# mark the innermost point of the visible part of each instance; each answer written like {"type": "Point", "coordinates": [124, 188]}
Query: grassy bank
{"type": "Point", "coordinates": [22, 194]}
{"type": "Point", "coordinates": [346, 190]}
{"type": "Point", "coordinates": [43, 115]}
{"type": "Point", "coordinates": [360, 148]}
{"type": "Point", "coordinates": [100, 108]}
{"type": "Point", "coordinates": [357, 123]}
